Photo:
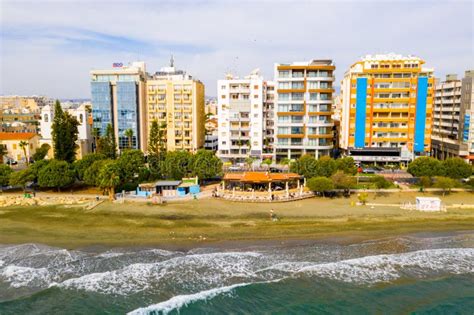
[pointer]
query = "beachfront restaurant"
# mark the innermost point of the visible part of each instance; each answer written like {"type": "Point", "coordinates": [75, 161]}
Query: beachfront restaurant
{"type": "Point", "coordinates": [263, 185]}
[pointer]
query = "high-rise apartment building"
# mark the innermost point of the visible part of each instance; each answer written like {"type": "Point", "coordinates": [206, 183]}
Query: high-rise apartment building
{"type": "Point", "coordinates": [176, 100]}
{"type": "Point", "coordinates": [453, 134]}
{"type": "Point", "coordinates": [118, 98]}
{"type": "Point", "coordinates": [303, 123]}
{"type": "Point", "coordinates": [242, 104]}
{"type": "Point", "coordinates": [386, 113]}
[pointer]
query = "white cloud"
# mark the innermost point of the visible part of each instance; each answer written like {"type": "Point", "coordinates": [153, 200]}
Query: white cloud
{"type": "Point", "coordinates": [212, 38]}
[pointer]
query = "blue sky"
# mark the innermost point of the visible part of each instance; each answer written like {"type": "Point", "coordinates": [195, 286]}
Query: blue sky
{"type": "Point", "coordinates": [49, 47]}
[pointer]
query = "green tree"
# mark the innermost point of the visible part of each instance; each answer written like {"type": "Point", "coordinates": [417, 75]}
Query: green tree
{"type": "Point", "coordinates": [56, 174]}
{"type": "Point", "coordinates": [347, 165]}
{"type": "Point", "coordinates": [41, 152]}
{"type": "Point", "coordinates": [445, 183]}
{"type": "Point", "coordinates": [205, 164]}
{"type": "Point", "coordinates": [456, 168]}
{"type": "Point", "coordinates": [156, 150]}
{"type": "Point", "coordinates": [129, 134]}
{"type": "Point", "coordinates": [80, 166]}
{"type": "Point", "coordinates": [285, 161]}
{"type": "Point", "coordinates": [21, 178]}
{"type": "Point", "coordinates": [64, 134]}
{"type": "Point", "coordinates": [107, 145]}
{"type": "Point", "coordinates": [5, 172]}
{"type": "Point", "coordinates": [23, 145]}
{"type": "Point", "coordinates": [343, 181]}
{"type": "Point", "coordinates": [305, 165]}
{"type": "Point", "coordinates": [129, 164]}
{"type": "Point", "coordinates": [425, 166]}
{"type": "Point", "coordinates": [325, 166]}
{"type": "Point", "coordinates": [3, 152]}
{"type": "Point", "coordinates": [425, 181]}
{"type": "Point", "coordinates": [177, 164]}
{"type": "Point", "coordinates": [91, 174]}
{"type": "Point", "coordinates": [36, 168]}
{"type": "Point", "coordinates": [380, 182]}
{"type": "Point", "coordinates": [267, 162]}
{"type": "Point", "coordinates": [109, 178]}
{"type": "Point", "coordinates": [249, 161]}
{"type": "Point", "coordinates": [320, 184]}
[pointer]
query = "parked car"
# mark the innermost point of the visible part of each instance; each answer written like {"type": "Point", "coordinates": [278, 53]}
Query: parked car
{"type": "Point", "coordinates": [234, 168]}
{"type": "Point", "coordinates": [369, 171]}
{"type": "Point", "coordinates": [11, 162]}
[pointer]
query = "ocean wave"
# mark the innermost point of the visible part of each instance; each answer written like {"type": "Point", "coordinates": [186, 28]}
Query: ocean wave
{"type": "Point", "coordinates": [193, 270]}
{"type": "Point", "coordinates": [18, 277]}
{"type": "Point", "coordinates": [383, 268]}
{"type": "Point", "coordinates": [177, 302]}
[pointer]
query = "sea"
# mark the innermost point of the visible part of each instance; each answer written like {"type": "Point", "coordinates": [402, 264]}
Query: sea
{"type": "Point", "coordinates": [425, 273]}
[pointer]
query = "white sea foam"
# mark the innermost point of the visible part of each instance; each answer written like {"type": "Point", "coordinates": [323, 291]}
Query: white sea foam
{"type": "Point", "coordinates": [382, 268]}
{"type": "Point", "coordinates": [18, 276]}
{"type": "Point", "coordinates": [200, 271]}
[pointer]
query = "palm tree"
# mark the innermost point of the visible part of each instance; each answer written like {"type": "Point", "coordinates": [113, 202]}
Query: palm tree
{"type": "Point", "coordinates": [129, 134]}
{"type": "Point", "coordinates": [109, 178]}
{"type": "Point", "coordinates": [23, 145]}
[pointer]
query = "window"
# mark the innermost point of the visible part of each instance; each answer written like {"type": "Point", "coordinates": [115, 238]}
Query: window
{"type": "Point", "coordinates": [312, 85]}
{"type": "Point", "coordinates": [223, 87]}
{"type": "Point", "coordinates": [283, 119]}
{"type": "Point", "coordinates": [284, 74]}
{"type": "Point", "coordinates": [313, 96]}
{"type": "Point", "coordinates": [283, 96]}
{"type": "Point", "coordinates": [284, 85]}
{"type": "Point", "coordinates": [46, 119]}
{"type": "Point", "coordinates": [222, 96]}
{"type": "Point", "coordinates": [297, 85]}
{"type": "Point", "coordinates": [283, 130]}
{"type": "Point", "coordinates": [255, 96]}
{"type": "Point", "coordinates": [255, 87]}
{"type": "Point", "coordinates": [283, 141]}
{"type": "Point", "coordinates": [297, 74]}
{"type": "Point", "coordinates": [297, 96]}
{"type": "Point", "coordinates": [81, 118]}
{"type": "Point", "coordinates": [324, 96]}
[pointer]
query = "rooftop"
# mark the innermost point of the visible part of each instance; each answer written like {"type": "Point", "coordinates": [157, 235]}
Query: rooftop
{"type": "Point", "coordinates": [262, 177]}
{"type": "Point", "coordinates": [17, 135]}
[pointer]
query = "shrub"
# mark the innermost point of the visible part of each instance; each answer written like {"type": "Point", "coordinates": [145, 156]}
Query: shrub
{"type": "Point", "coordinates": [380, 182]}
{"type": "Point", "coordinates": [320, 184]}
{"type": "Point", "coordinates": [342, 181]}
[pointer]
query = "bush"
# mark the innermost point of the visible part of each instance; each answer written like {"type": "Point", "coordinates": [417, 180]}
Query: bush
{"type": "Point", "coordinates": [5, 172]}
{"type": "Point", "coordinates": [343, 181]}
{"type": "Point", "coordinates": [56, 174]}
{"type": "Point", "coordinates": [380, 182]}
{"type": "Point", "coordinates": [320, 184]}
{"type": "Point", "coordinates": [80, 166]}
{"type": "Point", "coordinates": [425, 181]}
{"type": "Point", "coordinates": [425, 166]}
{"type": "Point", "coordinates": [456, 168]}
{"type": "Point", "coordinates": [445, 183]}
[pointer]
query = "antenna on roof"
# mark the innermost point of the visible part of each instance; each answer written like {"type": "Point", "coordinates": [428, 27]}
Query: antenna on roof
{"type": "Point", "coordinates": [171, 61]}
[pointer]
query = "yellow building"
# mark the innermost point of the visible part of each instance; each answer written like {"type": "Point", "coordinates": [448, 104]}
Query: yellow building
{"type": "Point", "coordinates": [386, 114]}
{"type": "Point", "coordinates": [176, 99]}
{"type": "Point", "coordinates": [11, 141]}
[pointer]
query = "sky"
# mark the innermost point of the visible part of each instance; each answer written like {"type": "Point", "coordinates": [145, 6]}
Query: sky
{"type": "Point", "coordinates": [49, 47]}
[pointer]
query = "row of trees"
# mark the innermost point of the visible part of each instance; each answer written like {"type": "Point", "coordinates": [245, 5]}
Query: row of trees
{"type": "Point", "coordinates": [455, 168]}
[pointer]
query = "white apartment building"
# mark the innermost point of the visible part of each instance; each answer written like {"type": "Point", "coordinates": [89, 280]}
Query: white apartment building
{"type": "Point", "coordinates": [303, 110]}
{"type": "Point", "coordinates": [241, 124]}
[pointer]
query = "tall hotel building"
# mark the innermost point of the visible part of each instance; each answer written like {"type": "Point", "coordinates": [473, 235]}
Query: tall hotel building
{"type": "Point", "coordinates": [118, 98]}
{"type": "Point", "coordinates": [387, 103]}
{"type": "Point", "coordinates": [453, 117]}
{"type": "Point", "coordinates": [303, 123]}
{"type": "Point", "coordinates": [176, 100]}
{"type": "Point", "coordinates": [243, 118]}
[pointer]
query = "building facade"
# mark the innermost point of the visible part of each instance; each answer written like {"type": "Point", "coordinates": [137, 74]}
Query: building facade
{"type": "Point", "coordinates": [83, 116]}
{"type": "Point", "coordinates": [452, 134]}
{"type": "Point", "coordinates": [241, 123]}
{"type": "Point", "coordinates": [19, 114]}
{"type": "Point", "coordinates": [386, 114]}
{"type": "Point", "coordinates": [15, 151]}
{"type": "Point", "coordinates": [176, 101]}
{"type": "Point", "coordinates": [118, 97]}
{"type": "Point", "coordinates": [303, 123]}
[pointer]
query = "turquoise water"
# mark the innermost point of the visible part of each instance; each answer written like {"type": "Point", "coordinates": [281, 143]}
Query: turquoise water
{"type": "Point", "coordinates": [421, 274]}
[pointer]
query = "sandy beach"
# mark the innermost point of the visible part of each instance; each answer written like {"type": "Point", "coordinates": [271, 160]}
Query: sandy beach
{"type": "Point", "coordinates": [212, 222]}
